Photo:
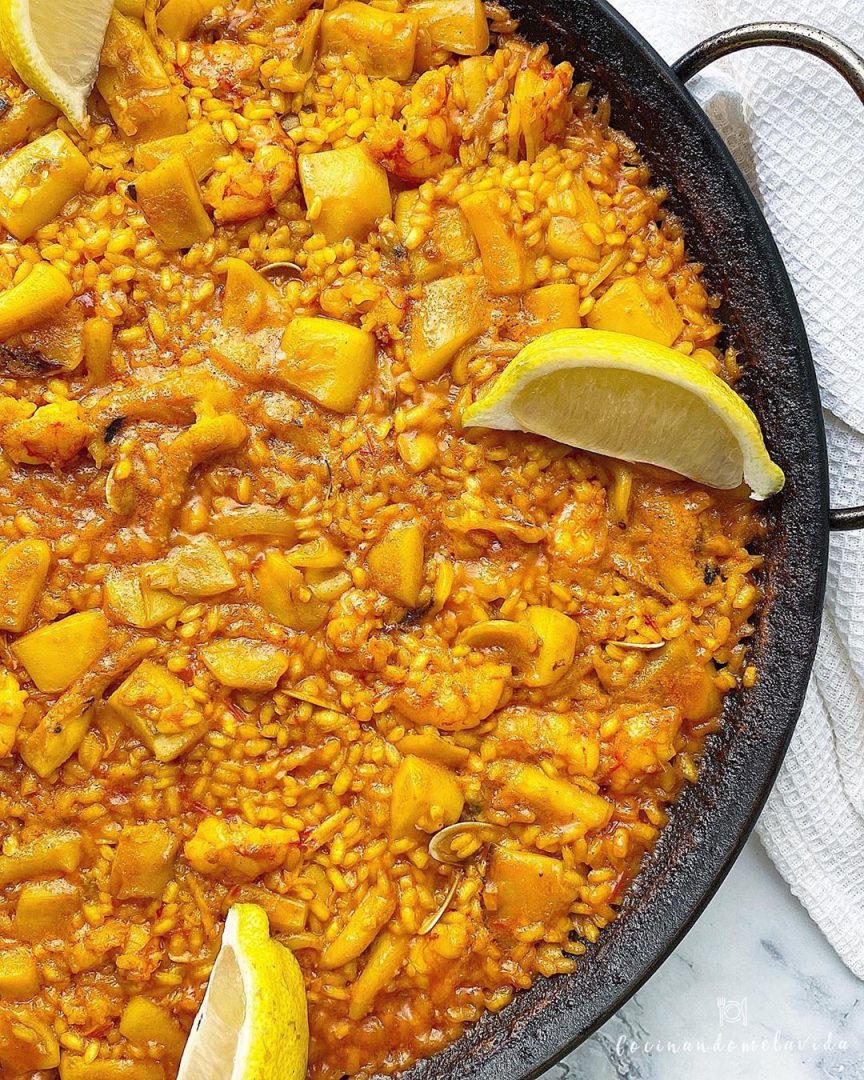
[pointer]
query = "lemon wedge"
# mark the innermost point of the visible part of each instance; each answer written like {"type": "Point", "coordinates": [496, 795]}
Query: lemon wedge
{"type": "Point", "coordinates": [54, 45]}
{"type": "Point", "coordinates": [630, 398]}
{"type": "Point", "coordinates": [252, 1024]}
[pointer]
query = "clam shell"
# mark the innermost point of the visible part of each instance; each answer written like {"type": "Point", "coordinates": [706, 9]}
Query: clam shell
{"type": "Point", "coordinates": [446, 846]}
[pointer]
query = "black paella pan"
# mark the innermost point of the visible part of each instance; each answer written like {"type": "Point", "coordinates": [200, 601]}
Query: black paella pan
{"type": "Point", "coordinates": [725, 231]}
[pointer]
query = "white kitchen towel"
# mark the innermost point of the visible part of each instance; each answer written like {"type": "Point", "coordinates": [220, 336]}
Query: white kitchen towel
{"type": "Point", "coordinates": [798, 133]}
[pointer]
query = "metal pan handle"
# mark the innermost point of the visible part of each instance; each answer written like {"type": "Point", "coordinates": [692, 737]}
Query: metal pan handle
{"type": "Point", "coordinates": [794, 36]}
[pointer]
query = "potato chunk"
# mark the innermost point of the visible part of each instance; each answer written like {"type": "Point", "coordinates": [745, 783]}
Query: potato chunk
{"type": "Point", "coordinates": [40, 296]}
{"type": "Point", "coordinates": [143, 862]}
{"type": "Point", "coordinates": [44, 908]}
{"type": "Point", "coordinates": [449, 245]}
{"type": "Point", "coordinates": [627, 308]}
{"type": "Point", "coordinates": [12, 699]}
{"type": "Point", "coordinates": [554, 307]}
{"type": "Point", "coordinates": [133, 81]}
{"type": "Point", "coordinates": [250, 301]}
{"type": "Point", "coordinates": [143, 1022]}
{"type": "Point", "coordinates": [23, 569]}
{"type": "Point", "coordinates": [19, 975]}
{"type": "Point", "coordinates": [77, 1067]}
{"type": "Point", "coordinates": [396, 563]}
{"type": "Point", "coordinates": [132, 600]}
{"type": "Point", "coordinates": [451, 312]}
{"type": "Point", "coordinates": [155, 705]}
{"type": "Point", "coordinates": [55, 740]}
{"type": "Point", "coordinates": [369, 917]}
{"type": "Point", "coordinates": [38, 180]}
{"type": "Point", "coordinates": [559, 636]}
{"type": "Point", "coordinates": [678, 676]}
{"type": "Point", "coordinates": [353, 189]}
{"type": "Point", "coordinates": [459, 26]}
{"type": "Point", "coordinates": [237, 850]}
{"type": "Point", "coordinates": [425, 796]}
{"type": "Point", "coordinates": [383, 41]}
{"type": "Point", "coordinates": [244, 664]}
{"type": "Point", "coordinates": [504, 258]}
{"type": "Point", "coordinates": [198, 568]}
{"type": "Point", "coordinates": [202, 145]}
{"type": "Point", "coordinates": [524, 889]}
{"type": "Point", "coordinates": [526, 789]}
{"type": "Point", "coordinates": [566, 239]}
{"type": "Point", "coordinates": [54, 852]}
{"type": "Point", "coordinates": [22, 117]}
{"type": "Point", "coordinates": [454, 701]}
{"type": "Point", "coordinates": [178, 18]}
{"type": "Point", "coordinates": [328, 361]}
{"type": "Point", "coordinates": [385, 961]}
{"type": "Point", "coordinates": [170, 199]}
{"type": "Point", "coordinates": [55, 655]}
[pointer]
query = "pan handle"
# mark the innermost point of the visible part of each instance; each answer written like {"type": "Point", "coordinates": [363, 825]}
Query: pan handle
{"type": "Point", "coordinates": [794, 36]}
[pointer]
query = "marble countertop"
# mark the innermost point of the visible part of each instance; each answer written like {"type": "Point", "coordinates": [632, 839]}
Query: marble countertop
{"type": "Point", "coordinates": [754, 992]}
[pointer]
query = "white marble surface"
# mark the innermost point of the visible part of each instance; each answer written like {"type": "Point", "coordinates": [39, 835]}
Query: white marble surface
{"type": "Point", "coordinates": [754, 989]}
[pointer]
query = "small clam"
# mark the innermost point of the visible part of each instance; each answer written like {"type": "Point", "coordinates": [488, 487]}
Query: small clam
{"type": "Point", "coordinates": [433, 920]}
{"type": "Point", "coordinates": [645, 646]}
{"type": "Point", "coordinates": [282, 268]}
{"type": "Point", "coordinates": [457, 843]}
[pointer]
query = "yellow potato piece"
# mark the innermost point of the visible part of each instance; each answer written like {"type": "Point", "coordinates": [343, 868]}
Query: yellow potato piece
{"type": "Point", "coordinates": [627, 309]}
{"type": "Point", "coordinates": [133, 81]}
{"type": "Point", "coordinates": [353, 189]}
{"type": "Point", "coordinates": [54, 852]}
{"type": "Point", "coordinates": [155, 705]}
{"type": "Point", "coordinates": [449, 245]}
{"type": "Point", "coordinates": [132, 600]}
{"type": "Point", "coordinates": [43, 908]}
{"type": "Point", "coordinates": [524, 888]}
{"type": "Point", "coordinates": [38, 180]}
{"type": "Point", "coordinates": [22, 117]}
{"type": "Point", "coordinates": [57, 654]}
{"type": "Point", "coordinates": [202, 146]}
{"type": "Point", "coordinates": [328, 361]}
{"type": "Point", "coordinates": [459, 26]}
{"type": "Point", "coordinates": [19, 975]}
{"type": "Point", "coordinates": [505, 262]}
{"type": "Point", "coordinates": [554, 307]}
{"type": "Point", "coordinates": [143, 862]}
{"type": "Point", "coordinates": [170, 199]}
{"type": "Point", "coordinates": [423, 794]}
{"type": "Point", "coordinates": [51, 743]}
{"type": "Point", "coordinates": [143, 1022]}
{"type": "Point", "coordinates": [41, 295]}
{"type": "Point", "coordinates": [383, 41]}
{"type": "Point", "coordinates": [197, 568]}
{"type": "Point", "coordinates": [451, 312]}
{"type": "Point", "coordinates": [559, 636]}
{"type": "Point", "coordinates": [23, 569]}
{"type": "Point", "coordinates": [250, 301]}
{"type": "Point", "coordinates": [178, 18]}
{"type": "Point", "coordinates": [244, 664]}
{"type": "Point", "coordinates": [77, 1067]}
{"type": "Point", "coordinates": [395, 563]}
